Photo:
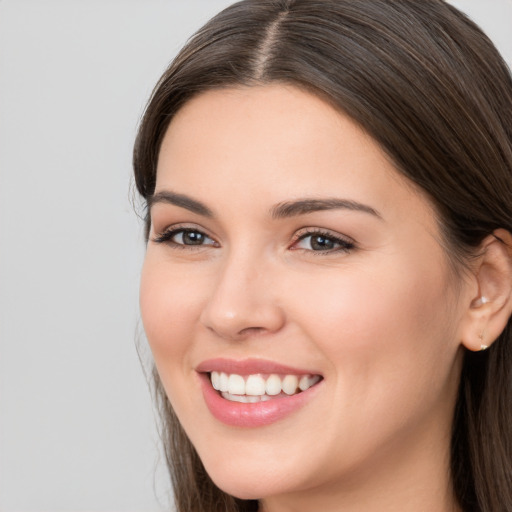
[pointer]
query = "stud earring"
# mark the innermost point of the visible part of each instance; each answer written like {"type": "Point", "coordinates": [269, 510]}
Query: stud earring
{"type": "Point", "coordinates": [481, 337]}
{"type": "Point", "coordinates": [480, 301]}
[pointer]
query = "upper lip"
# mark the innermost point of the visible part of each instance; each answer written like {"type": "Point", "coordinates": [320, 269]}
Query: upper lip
{"type": "Point", "coordinates": [249, 367]}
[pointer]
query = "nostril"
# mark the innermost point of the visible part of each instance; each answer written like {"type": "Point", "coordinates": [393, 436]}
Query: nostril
{"type": "Point", "coordinates": [242, 334]}
{"type": "Point", "coordinates": [251, 331]}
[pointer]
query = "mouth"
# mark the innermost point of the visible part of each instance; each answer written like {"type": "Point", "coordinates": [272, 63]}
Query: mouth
{"type": "Point", "coordinates": [254, 393]}
{"type": "Point", "coordinates": [259, 387]}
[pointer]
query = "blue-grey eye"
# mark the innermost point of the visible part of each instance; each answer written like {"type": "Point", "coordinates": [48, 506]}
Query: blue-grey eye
{"type": "Point", "coordinates": [188, 237]}
{"type": "Point", "coordinates": [320, 242]}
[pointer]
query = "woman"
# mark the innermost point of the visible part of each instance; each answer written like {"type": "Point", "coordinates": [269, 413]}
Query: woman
{"type": "Point", "coordinates": [327, 283]}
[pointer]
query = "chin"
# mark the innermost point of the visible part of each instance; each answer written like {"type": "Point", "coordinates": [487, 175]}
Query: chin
{"type": "Point", "coordinates": [253, 488]}
{"type": "Point", "coordinates": [247, 481]}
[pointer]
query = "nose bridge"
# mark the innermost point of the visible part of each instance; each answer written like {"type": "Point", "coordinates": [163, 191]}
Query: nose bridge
{"type": "Point", "coordinates": [243, 300]}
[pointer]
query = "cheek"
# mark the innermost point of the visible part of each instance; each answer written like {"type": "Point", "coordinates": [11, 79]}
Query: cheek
{"type": "Point", "coordinates": [168, 308]}
{"type": "Point", "coordinates": [170, 311]}
{"type": "Point", "coordinates": [380, 324]}
{"type": "Point", "coordinates": [373, 301]}
{"type": "Point", "coordinates": [386, 337]}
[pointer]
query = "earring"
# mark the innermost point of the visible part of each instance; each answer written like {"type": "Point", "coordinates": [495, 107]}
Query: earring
{"type": "Point", "coordinates": [480, 301]}
{"type": "Point", "coordinates": [481, 338]}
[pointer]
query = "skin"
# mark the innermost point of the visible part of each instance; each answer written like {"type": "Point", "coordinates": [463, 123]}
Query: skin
{"type": "Point", "coordinates": [382, 322]}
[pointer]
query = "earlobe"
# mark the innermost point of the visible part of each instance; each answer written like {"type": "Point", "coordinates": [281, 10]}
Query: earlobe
{"type": "Point", "coordinates": [489, 311]}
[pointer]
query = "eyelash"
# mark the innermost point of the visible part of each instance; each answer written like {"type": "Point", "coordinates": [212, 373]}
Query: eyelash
{"type": "Point", "coordinates": [167, 236]}
{"type": "Point", "coordinates": [344, 244]}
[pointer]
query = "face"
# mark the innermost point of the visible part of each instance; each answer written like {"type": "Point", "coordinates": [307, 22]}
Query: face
{"type": "Point", "coordinates": [290, 263]}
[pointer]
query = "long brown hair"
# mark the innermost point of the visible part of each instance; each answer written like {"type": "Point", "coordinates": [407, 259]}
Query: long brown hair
{"type": "Point", "coordinates": [429, 86]}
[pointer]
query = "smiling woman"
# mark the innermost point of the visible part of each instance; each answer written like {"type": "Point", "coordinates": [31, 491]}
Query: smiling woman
{"type": "Point", "coordinates": [329, 259]}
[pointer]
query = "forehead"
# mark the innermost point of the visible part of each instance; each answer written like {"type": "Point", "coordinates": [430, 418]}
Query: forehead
{"type": "Point", "coordinates": [276, 142]}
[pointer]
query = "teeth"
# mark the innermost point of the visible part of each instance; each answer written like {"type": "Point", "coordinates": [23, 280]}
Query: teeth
{"type": "Point", "coordinates": [273, 385]}
{"type": "Point", "coordinates": [255, 385]}
{"type": "Point", "coordinates": [215, 378]}
{"type": "Point", "coordinates": [236, 385]}
{"type": "Point", "coordinates": [257, 388]}
{"type": "Point", "coordinates": [245, 399]}
{"type": "Point", "coordinates": [290, 384]}
{"type": "Point", "coordinates": [303, 383]}
{"type": "Point", "coordinates": [223, 382]}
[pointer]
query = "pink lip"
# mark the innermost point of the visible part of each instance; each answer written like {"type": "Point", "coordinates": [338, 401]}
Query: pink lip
{"type": "Point", "coordinates": [249, 367]}
{"type": "Point", "coordinates": [257, 414]}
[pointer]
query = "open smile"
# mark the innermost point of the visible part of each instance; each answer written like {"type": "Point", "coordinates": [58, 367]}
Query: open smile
{"type": "Point", "coordinates": [260, 387]}
{"type": "Point", "coordinates": [254, 393]}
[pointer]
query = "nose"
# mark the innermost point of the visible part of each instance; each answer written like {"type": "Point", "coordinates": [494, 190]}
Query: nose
{"type": "Point", "coordinates": [243, 301]}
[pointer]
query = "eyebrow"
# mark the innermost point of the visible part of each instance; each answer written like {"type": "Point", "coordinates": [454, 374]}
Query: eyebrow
{"type": "Point", "coordinates": [279, 211]}
{"type": "Point", "coordinates": [180, 200]}
{"type": "Point", "coordinates": [305, 206]}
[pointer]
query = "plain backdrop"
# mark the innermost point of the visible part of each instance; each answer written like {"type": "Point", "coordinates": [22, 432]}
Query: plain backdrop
{"type": "Point", "coordinates": [76, 423]}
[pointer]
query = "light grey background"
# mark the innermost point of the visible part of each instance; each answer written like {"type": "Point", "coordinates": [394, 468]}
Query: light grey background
{"type": "Point", "coordinates": [76, 423]}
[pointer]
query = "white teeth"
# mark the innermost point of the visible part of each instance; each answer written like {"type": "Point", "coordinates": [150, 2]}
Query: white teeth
{"type": "Point", "coordinates": [236, 385]}
{"type": "Point", "coordinates": [220, 381]}
{"type": "Point", "coordinates": [223, 382]}
{"type": "Point", "coordinates": [215, 377]}
{"type": "Point", "coordinates": [256, 388]}
{"type": "Point", "coordinates": [273, 385]}
{"type": "Point", "coordinates": [245, 399]}
{"type": "Point", "coordinates": [290, 384]}
{"type": "Point", "coordinates": [255, 385]}
{"type": "Point", "coordinates": [308, 381]}
{"type": "Point", "coordinates": [304, 383]}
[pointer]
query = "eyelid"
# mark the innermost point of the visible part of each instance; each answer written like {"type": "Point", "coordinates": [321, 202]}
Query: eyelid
{"type": "Point", "coordinates": [166, 235]}
{"type": "Point", "coordinates": [345, 242]}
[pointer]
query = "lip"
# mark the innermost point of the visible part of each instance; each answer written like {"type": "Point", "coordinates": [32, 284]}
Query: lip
{"type": "Point", "coordinates": [252, 415]}
{"type": "Point", "coordinates": [249, 367]}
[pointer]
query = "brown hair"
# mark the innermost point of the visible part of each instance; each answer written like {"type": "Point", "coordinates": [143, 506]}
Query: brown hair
{"type": "Point", "coordinates": [429, 86]}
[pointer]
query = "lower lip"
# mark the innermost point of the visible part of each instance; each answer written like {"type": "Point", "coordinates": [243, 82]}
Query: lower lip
{"type": "Point", "coordinates": [257, 414]}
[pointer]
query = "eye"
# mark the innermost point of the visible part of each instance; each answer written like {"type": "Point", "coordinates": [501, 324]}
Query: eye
{"type": "Point", "coordinates": [185, 237]}
{"type": "Point", "coordinates": [189, 238]}
{"type": "Point", "coordinates": [318, 241]}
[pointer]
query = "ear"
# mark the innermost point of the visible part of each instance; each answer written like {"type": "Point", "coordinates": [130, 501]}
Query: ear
{"type": "Point", "coordinates": [491, 306]}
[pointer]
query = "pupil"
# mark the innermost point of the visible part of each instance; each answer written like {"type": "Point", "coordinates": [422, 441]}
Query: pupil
{"type": "Point", "coordinates": [193, 238]}
{"type": "Point", "coordinates": [321, 243]}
